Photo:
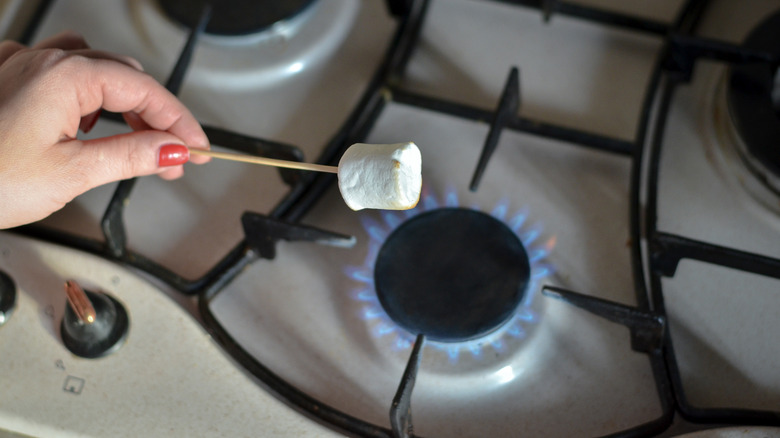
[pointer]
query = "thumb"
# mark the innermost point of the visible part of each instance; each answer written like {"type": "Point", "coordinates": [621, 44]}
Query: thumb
{"type": "Point", "coordinates": [125, 156]}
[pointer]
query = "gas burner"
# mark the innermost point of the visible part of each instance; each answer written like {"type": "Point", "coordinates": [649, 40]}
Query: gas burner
{"type": "Point", "coordinates": [453, 280]}
{"type": "Point", "coordinates": [452, 274]}
{"type": "Point", "coordinates": [241, 58]}
{"type": "Point", "coordinates": [235, 17]}
{"type": "Point", "coordinates": [754, 119]}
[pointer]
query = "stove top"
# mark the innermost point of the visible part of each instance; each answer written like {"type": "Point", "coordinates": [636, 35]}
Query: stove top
{"type": "Point", "coordinates": [588, 256]}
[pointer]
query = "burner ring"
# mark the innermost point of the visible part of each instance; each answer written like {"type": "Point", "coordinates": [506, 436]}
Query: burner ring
{"type": "Point", "coordinates": [451, 274]}
{"type": "Point", "coordinates": [751, 105]}
{"type": "Point", "coordinates": [235, 17]}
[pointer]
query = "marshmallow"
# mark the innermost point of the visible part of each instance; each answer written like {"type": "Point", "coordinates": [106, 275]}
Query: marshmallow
{"type": "Point", "coordinates": [382, 176]}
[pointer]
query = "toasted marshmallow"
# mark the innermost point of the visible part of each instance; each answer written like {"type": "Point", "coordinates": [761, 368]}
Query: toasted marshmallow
{"type": "Point", "coordinates": [381, 176]}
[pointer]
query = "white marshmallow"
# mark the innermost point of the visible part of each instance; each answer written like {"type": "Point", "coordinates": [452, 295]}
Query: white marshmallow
{"type": "Point", "coordinates": [382, 176]}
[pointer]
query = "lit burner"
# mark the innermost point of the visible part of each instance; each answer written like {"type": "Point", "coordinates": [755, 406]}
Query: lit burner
{"type": "Point", "coordinates": [452, 274]}
{"type": "Point", "coordinates": [466, 279]}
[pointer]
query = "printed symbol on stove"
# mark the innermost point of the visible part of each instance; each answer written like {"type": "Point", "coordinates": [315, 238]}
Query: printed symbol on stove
{"type": "Point", "coordinates": [73, 385]}
{"type": "Point", "coordinates": [60, 364]}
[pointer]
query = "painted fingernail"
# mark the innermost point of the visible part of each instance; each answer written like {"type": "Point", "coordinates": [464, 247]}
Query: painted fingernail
{"type": "Point", "coordinates": [173, 155]}
{"type": "Point", "coordinates": [88, 121]}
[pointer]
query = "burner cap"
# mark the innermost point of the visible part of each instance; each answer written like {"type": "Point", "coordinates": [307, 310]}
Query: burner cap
{"type": "Point", "coordinates": [451, 274]}
{"type": "Point", "coordinates": [235, 17]}
{"type": "Point", "coordinates": [750, 99]}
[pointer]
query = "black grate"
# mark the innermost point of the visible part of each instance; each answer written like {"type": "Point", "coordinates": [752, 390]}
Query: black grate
{"type": "Point", "coordinates": [647, 322]}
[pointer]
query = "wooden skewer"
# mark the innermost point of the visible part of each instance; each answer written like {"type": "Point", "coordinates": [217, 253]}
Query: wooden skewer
{"type": "Point", "coordinates": [266, 161]}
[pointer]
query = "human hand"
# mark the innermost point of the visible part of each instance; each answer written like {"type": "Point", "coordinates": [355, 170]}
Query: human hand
{"type": "Point", "coordinates": [50, 91]}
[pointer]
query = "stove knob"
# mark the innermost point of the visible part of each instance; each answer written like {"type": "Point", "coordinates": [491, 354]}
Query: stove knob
{"type": "Point", "coordinates": [94, 324]}
{"type": "Point", "coordinates": [7, 297]}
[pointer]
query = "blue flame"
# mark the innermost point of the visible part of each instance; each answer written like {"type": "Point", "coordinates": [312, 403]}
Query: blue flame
{"type": "Point", "coordinates": [515, 328]}
{"type": "Point", "coordinates": [451, 199]}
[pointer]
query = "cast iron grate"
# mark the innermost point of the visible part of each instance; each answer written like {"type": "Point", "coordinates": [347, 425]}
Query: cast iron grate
{"type": "Point", "coordinates": [646, 321]}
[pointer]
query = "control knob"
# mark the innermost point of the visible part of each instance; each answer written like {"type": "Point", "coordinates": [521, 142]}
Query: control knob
{"type": "Point", "coordinates": [95, 324]}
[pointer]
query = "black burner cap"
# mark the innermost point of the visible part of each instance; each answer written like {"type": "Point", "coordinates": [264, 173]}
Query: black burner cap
{"type": "Point", "coordinates": [235, 17]}
{"type": "Point", "coordinates": [750, 97]}
{"type": "Point", "coordinates": [451, 274]}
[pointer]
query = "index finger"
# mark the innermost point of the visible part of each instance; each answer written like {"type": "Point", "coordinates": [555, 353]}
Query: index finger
{"type": "Point", "coordinates": [67, 40]}
{"type": "Point", "coordinates": [119, 88]}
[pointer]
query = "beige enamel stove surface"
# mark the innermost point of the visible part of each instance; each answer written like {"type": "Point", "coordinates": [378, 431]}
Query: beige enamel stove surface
{"type": "Point", "coordinates": [309, 316]}
{"type": "Point", "coordinates": [169, 379]}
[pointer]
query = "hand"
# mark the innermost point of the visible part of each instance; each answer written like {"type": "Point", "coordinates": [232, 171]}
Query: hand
{"type": "Point", "coordinates": [50, 91]}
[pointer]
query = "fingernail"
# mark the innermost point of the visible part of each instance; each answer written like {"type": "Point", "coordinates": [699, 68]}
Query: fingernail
{"type": "Point", "coordinates": [173, 155]}
{"type": "Point", "coordinates": [88, 121]}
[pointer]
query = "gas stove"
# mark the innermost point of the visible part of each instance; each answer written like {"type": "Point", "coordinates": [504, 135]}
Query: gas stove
{"type": "Point", "coordinates": [595, 252]}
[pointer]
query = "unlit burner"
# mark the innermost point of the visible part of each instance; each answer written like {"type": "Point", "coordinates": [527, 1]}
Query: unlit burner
{"type": "Point", "coordinates": [452, 274]}
{"type": "Point", "coordinates": [753, 108]}
{"type": "Point", "coordinates": [235, 17]}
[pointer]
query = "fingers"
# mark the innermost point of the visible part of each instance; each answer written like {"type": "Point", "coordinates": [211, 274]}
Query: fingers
{"type": "Point", "coordinates": [8, 48]}
{"type": "Point", "coordinates": [88, 122]}
{"type": "Point", "coordinates": [135, 122]}
{"type": "Point", "coordinates": [90, 80]}
{"type": "Point", "coordinates": [100, 54]}
{"type": "Point", "coordinates": [103, 80]}
{"type": "Point", "coordinates": [115, 87]}
{"type": "Point", "coordinates": [126, 156]}
{"type": "Point", "coordinates": [75, 44]}
{"type": "Point", "coordinates": [67, 40]}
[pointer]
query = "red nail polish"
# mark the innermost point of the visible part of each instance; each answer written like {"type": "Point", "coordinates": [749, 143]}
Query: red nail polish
{"type": "Point", "coordinates": [173, 155]}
